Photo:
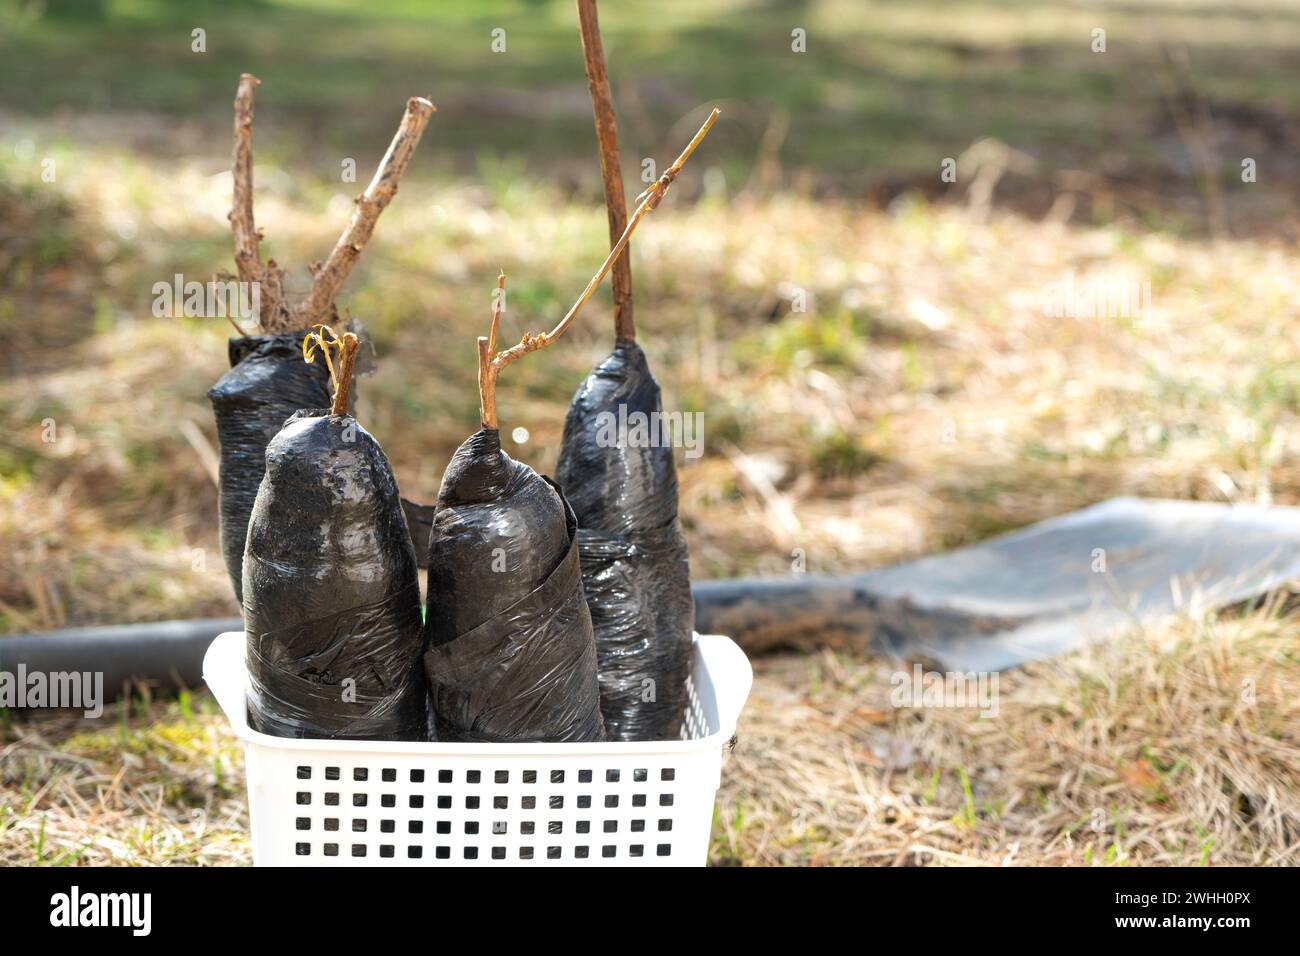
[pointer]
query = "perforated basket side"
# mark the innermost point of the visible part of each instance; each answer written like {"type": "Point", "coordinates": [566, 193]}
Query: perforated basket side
{"type": "Point", "coordinates": [339, 803]}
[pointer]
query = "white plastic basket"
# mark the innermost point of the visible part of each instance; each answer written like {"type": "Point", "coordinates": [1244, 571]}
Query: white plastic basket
{"type": "Point", "coordinates": [362, 803]}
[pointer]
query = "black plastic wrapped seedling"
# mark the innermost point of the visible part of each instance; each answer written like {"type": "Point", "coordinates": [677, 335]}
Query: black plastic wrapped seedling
{"type": "Point", "coordinates": [268, 381]}
{"type": "Point", "coordinates": [635, 568]}
{"type": "Point", "coordinates": [331, 591]}
{"type": "Point", "coordinates": [510, 654]}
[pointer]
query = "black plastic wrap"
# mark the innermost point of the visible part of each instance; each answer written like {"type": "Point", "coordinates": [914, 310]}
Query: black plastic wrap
{"type": "Point", "coordinates": [635, 567]}
{"type": "Point", "coordinates": [509, 651]}
{"type": "Point", "coordinates": [331, 591]}
{"type": "Point", "coordinates": [268, 381]}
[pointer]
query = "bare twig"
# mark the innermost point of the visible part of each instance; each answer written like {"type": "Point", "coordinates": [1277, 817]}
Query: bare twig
{"type": "Point", "coordinates": [602, 106]}
{"type": "Point", "coordinates": [318, 307]}
{"type": "Point", "coordinates": [319, 303]}
{"type": "Point", "coordinates": [492, 362]}
{"type": "Point", "coordinates": [248, 258]}
{"type": "Point", "coordinates": [325, 339]}
{"type": "Point", "coordinates": [248, 255]}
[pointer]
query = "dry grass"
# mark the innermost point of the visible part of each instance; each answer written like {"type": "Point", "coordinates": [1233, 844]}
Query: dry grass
{"type": "Point", "coordinates": [1179, 746]}
{"type": "Point", "coordinates": [923, 400]}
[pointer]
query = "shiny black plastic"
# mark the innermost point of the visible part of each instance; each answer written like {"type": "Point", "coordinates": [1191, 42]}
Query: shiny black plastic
{"type": "Point", "coordinates": [268, 381]}
{"type": "Point", "coordinates": [635, 567]}
{"type": "Point", "coordinates": [331, 591]}
{"type": "Point", "coordinates": [509, 651]}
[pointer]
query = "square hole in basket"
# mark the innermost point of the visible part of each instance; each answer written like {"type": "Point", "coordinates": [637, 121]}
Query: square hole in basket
{"type": "Point", "coordinates": [471, 853]}
{"type": "Point", "coordinates": [584, 776]}
{"type": "Point", "coordinates": [303, 798]}
{"type": "Point", "coordinates": [668, 773]}
{"type": "Point", "coordinates": [611, 800]}
{"type": "Point", "coordinates": [331, 823]}
{"type": "Point", "coordinates": [582, 852]}
{"type": "Point", "coordinates": [584, 802]}
{"type": "Point", "coordinates": [663, 849]}
{"type": "Point", "coordinates": [359, 825]}
{"type": "Point", "coordinates": [331, 849]}
{"type": "Point", "coordinates": [304, 773]}
{"type": "Point", "coordinates": [527, 827]}
{"type": "Point", "coordinates": [331, 773]}
{"type": "Point", "coordinates": [611, 826]}
{"type": "Point", "coordinates": [665, 799]}
{"type": "Point", "coordinates": [502, 776]}
{"type": "Point", "coordinates": [636, 849]}
{"type": "Point", "coordinates": [444, 776]}
{"type": "Point", "coordinates": [555, 826]}
{"type": "Point", "coordinates": [302, 823]}
{"type": "Point", "coordinates": [499, 826]}
{"type": "Point", "coordinates": [557, 803]}
{"type": "Point", "coordinates": [530, 776]}
{"type": "Point", "coordinates": [640, 776]}
{"type": "Point", "coordinates": [444, 803]}
{"type": "Point", "coordinates": [583, 826]}
{"type": "Point", "coordinates": [358, 849]}
{"type": "Point", "coordinates": [611, 776]}
{"type": "Point", "coordinates": [471, 828]}
{"type": "Point", "coordinates": [665, 826]}
{"type": "Point", "coordinates": [442, 852]}
{"type": "Point", "coordinates": [473, 776]}
{"type": "Point", "coordinates": [360, 799]}
{"type": "Point", "coordinates": [608, 851]}
{"type": "Point", "coordinates": [525, 853]}
{"type": "Point", "coordinates": [500, 803]}
{"type": "Point", "coordinates": [388, 775]}
{"type": "Point", "coordinates": [415, 801]}
{"type": "Point", "coordinates": [414, 852]}
{"type": "Point", "coordinates": [552, 852]}
{"type": "Point", "coordinates": [443, 826]}
{"type": "Point", "coordinates": [302, 849]}
{"type": "Point", "coordinates": [638, 799]}
{"type": "Point", "coordinates": [638, 826]}
{"type": "Point", "coordinates": [386, 850]}
{"type": "Point", "coordinates": [331, 799]}
{"type": "Point", "coordinates": [415, 826]}
{"type": "Point", "coordinates": [388, 799]}
{"type": "Point", "coordinates": [387, 826]}
{"type": "Point", "coordinates": [528, 803]}
{"type": "Point", "coordinates": [498, 853]}
{"type": "Point", "coordinates": [417, 776]}
{"type": "Point", "coordinates": [472, 803]}
{"type": "Point", "coordinates": [557, 776]}
{"type": "Point", "coordinates": [360, 774]}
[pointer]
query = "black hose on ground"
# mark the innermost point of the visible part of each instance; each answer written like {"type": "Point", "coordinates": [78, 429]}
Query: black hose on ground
{"type": "Point", "coordinates": [761, 615]}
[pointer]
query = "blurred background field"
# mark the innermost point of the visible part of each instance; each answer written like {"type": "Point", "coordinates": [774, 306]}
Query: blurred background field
{"type": "Point", "coordinates": [922, 399]}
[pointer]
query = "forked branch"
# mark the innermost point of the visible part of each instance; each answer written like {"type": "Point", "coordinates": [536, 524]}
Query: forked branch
{"type": "Point", "coordinates": [492, 362]}
{"type": "Point", "coordinates": [318, 306]}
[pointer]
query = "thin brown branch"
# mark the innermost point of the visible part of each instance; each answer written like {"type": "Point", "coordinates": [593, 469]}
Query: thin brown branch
{"type": "Point", "coordinates": [325, 340]}
{"type": "Point", "coordinates": [491, 362]}
{"type": "Point", "coordinates": [248, 255]}
{"type": "Point", "coordinates": [319, 304]}
{"type": "Point", "coordinates": [602, 107]}
{"type": "Point", "coordinates": [487, 371]}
